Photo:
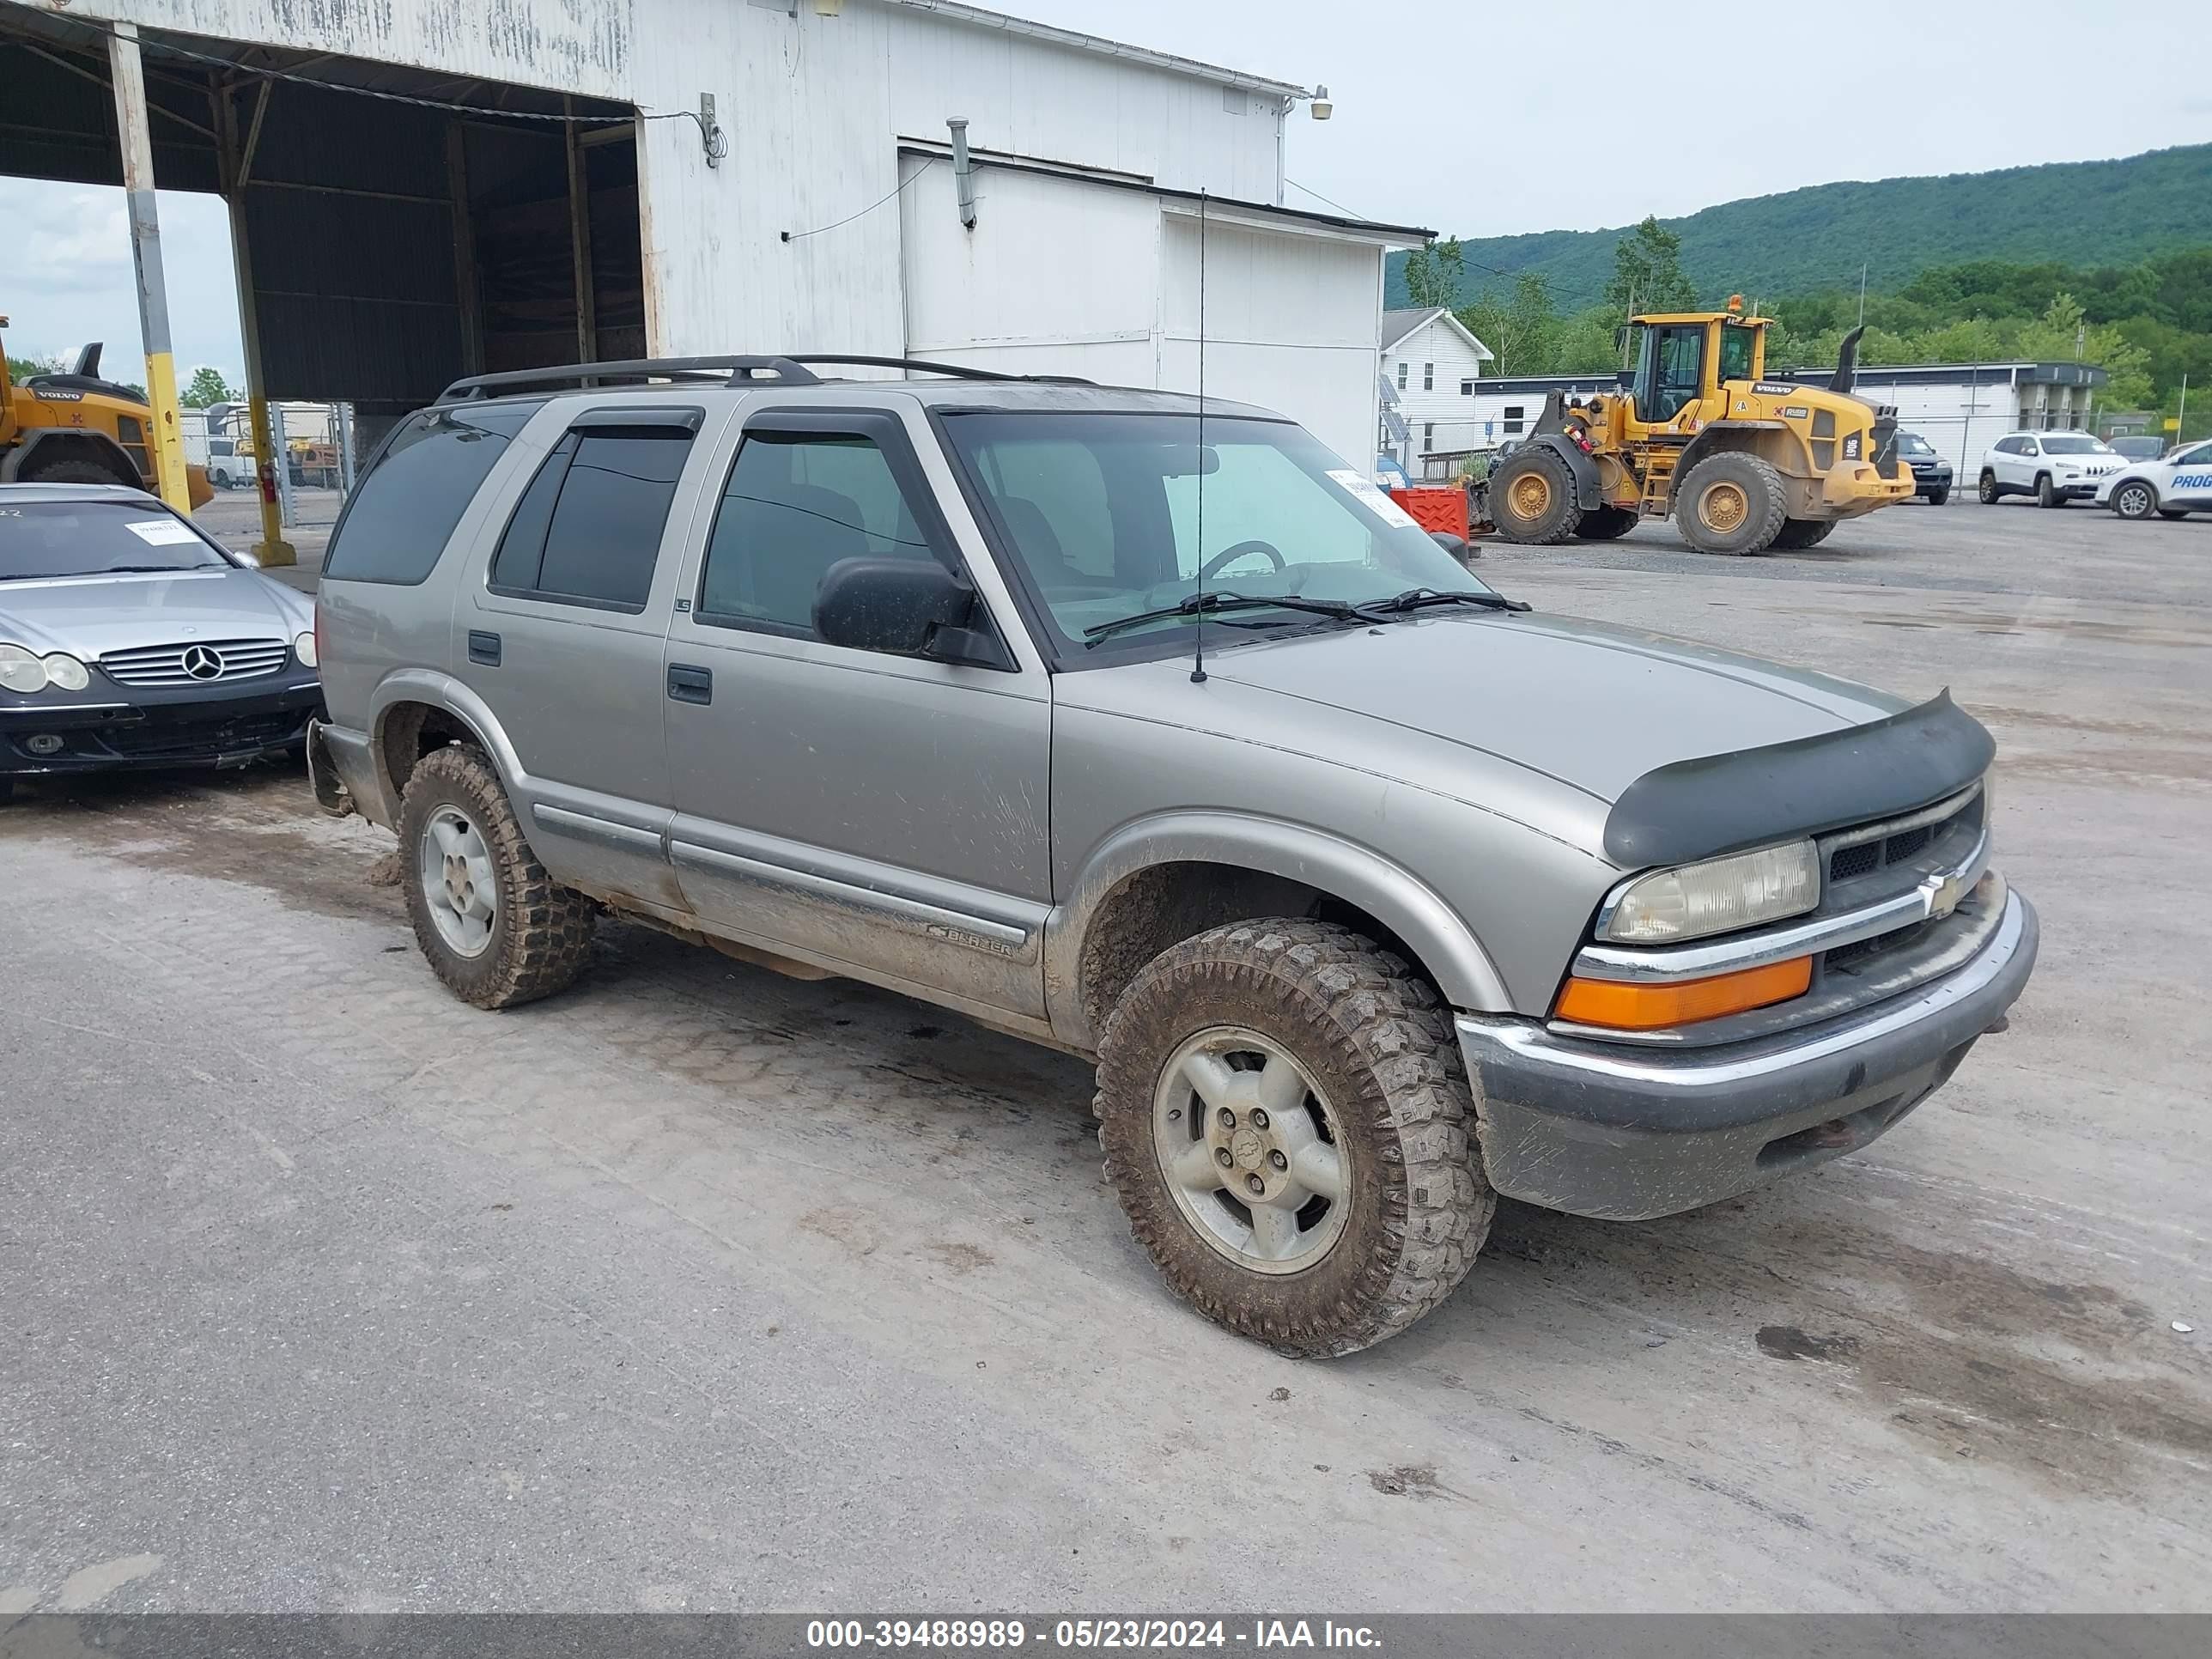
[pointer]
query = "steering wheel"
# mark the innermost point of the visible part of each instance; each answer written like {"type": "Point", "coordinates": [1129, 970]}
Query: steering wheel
{"type": "Point", "coordinates": [1229, 555]}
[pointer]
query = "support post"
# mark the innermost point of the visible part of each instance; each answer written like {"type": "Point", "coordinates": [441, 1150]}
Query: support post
{"type": "Point", "coordinates": [464, 249]}
{"type": "Point", "coordinates": [280, 455]}
{"type": "Point", "coordinates": [580, 243]}
{"type": "Point", "coordinates": [237, 171]}
{"type": "Point", "coordinates": [345, 449]}
{"type": "Point", "coordinates": [167, 440]}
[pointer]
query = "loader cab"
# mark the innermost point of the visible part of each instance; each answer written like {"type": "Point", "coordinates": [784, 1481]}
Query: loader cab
{"type": "Point", "coordinates": [1684, 358]}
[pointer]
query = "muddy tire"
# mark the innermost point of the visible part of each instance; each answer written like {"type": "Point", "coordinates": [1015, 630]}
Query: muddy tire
{"type": "Point", "coordinates": [492, 924]}
{"type": "Point", "coordinates": [1731, 503]}
{"type": "Point", "coordinates": [1321, 1076]}
{"type": "Point", "coordinates": [1606, 524]}
{"type": "Point", "coordinates": [1532, 497]}
{"type": "Point", "coordinates": [1797, 534]}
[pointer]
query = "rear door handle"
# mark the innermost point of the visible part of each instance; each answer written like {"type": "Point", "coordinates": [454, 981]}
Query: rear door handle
{"type": "Point", "coordinates": [687, 683]}
{"type": "Point", "coordinates": [483, 648]}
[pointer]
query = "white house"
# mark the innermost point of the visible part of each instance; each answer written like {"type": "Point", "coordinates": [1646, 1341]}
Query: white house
{"type": "Point", "coordinates": [1430, 364]}
{"type": "Point", "coordinates": [611, 179]}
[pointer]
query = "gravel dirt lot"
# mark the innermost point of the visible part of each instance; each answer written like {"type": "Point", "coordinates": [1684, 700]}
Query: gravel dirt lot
{"type": "Point", "coordinates": [701, 1288]}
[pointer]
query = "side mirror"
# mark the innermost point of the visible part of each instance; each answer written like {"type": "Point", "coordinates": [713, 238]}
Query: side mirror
{"type": "Point", "coordinates": [904, 608]}
{"type": "Point", "coordinates": [1452, 544]}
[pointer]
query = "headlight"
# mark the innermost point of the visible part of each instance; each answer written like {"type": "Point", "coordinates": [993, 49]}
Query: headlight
{"type": "Point", "coordinates": [304, 649]}
{"type": "Point", "coordinates": [1718, 896]}
{"type": "Point", "coordinates": [64, 672]}
{"type": "Point", "coordinates": [20, 671]}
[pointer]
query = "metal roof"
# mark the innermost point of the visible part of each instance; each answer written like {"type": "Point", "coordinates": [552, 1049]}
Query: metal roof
{"type": "Point", "coordinates": [1004, 23]}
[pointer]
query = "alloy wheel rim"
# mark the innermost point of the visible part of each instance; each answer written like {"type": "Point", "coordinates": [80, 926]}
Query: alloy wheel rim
{"type": "Point", "coordinates": [1250, 1148]}
{"type": "Point", "coordinates": [1725, 506]}
{"type": "Point", "coordinates": [2134, 498]}
{"type": "Point", "coordinates": [459, 884]}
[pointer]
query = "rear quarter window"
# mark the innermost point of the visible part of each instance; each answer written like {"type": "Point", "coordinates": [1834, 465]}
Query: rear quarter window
{"type": "Point", "coordinates": [403, 512]}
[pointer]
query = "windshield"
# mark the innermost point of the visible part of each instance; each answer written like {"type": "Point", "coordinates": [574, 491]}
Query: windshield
{"type": "Point", "coordinates": [1103, 512]}
{"type": "Point", "coordinates": [2062, 443]}
{"type": "Point", "coordinates": [92, 538]}
{"type": "Point", "coordinates": [1912, 443]}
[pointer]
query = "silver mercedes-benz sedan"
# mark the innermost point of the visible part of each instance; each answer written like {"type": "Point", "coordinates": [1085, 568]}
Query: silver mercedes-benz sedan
{"type": "Point", "coordinates": [128, 638]}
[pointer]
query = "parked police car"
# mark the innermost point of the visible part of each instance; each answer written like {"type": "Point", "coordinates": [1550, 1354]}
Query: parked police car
{"type": "Point", "coordinates": [2173, 488]}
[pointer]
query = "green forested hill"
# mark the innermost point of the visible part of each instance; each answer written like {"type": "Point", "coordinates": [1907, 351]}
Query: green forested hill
{"type": "Point", "coordinates": [2079, 213]}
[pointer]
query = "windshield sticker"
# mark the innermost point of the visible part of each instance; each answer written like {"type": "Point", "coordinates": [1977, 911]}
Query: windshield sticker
{"type": "Point", "coordinates": [160, 532]}
{"type": "Point", "coordinates": [1372, 496]}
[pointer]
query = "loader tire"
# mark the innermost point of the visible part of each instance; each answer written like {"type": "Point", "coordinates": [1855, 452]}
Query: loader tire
{"type": "Point", "coordinates": [1607, 524]}
{"type": "Point", "coordinates": [1532, 498]}
{"type": "Point", "coordinates": [1731, 503]}
{"type": "Point", "coordinates": [1797, 534]}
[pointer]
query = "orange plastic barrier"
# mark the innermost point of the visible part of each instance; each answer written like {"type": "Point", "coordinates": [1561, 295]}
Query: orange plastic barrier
{"type": "Point", "coordinates": [1435, 507]}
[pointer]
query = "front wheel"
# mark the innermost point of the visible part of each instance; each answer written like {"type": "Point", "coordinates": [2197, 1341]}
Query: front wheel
{"type": "Point", "coordinates": [2046, 494]}
{"type": "Point", "coordinates": [1937, 497]}
{"type": "Point", "coordinates": [1532, 497]}
{"type": "Point", "coordinates": [2135, 498]}
{"type": "Point", "coordinates": [492, 924]}
{"type": "Point", "coordinates": [1288, 1125]}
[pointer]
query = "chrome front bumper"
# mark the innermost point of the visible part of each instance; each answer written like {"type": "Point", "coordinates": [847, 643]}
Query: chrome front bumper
{"type": "Point", "coordinates": [1605, 1130]}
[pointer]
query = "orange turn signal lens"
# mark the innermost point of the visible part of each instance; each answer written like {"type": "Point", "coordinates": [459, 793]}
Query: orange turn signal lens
{"type": "Point", "coordinates": [1645, 1007]}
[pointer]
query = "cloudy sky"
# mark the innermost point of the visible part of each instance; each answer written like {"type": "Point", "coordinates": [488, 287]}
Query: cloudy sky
{"type": "Point", "coordinates": [1481, 119]}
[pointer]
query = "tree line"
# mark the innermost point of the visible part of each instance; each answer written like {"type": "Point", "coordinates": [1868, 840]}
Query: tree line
{"type": "Point", "coordinates": [2147, 325]}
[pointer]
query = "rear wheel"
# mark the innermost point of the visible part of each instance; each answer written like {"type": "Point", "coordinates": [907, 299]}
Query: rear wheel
{"type": "Point", "coordinates": [492, 924]}
{"type": "Point", "coordinates": [1988, 489]}
{"type": "Point", "coordinates": [2135, 498]}
{"type": "Point", "coordinates": [1289, 1128]}
{"type": "Point", "coordinates": [1798, 533]}
{"type": "Point", "coordinates": [1532, 497]}
{"type": "Point", "coordinates": [2047, 495]}
{"type": "Point", "coordinates": [1731, 503]}
{"type": "Point", "coordinates": [1606, 524]}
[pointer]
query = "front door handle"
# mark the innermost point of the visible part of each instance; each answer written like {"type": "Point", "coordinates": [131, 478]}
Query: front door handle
{"type": "Point", "coordinates": [687, 683]}
{"type": "Point", "coordinates": [483, 648]}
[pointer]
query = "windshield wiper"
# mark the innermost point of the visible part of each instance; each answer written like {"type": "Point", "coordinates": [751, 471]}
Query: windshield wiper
{"type": "Point", "coordinates": [1420, 599]}
{"type": "Point", "coordinates": [144, 569]}
{"type": "Point", "coordinates": [1210, 602]}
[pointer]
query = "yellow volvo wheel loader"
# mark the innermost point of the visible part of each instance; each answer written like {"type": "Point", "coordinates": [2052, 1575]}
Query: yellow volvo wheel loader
{"type": "Point", "coordinates": [79, 428]}
{"type": "Point", "coordinates": [1696, 432]}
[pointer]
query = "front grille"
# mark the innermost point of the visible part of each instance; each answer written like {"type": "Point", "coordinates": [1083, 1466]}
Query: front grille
{"type": "Point", "coordinates": [1870, 850]}
{"type": "Point", "coordinates": [218, 734]}
{"type": "Point", "coordinates": [194, 662]}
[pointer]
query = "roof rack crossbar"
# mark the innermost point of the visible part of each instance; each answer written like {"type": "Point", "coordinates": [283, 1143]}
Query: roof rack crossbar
{"type": "Point", "coordinates": [791, 370]}
{"type": "Point", "coordinates": [586, 375]}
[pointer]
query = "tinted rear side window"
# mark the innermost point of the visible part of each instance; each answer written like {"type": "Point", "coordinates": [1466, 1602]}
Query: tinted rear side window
{"type": "Point", "coordinates": [403, 512]}
{"type": "Point", "coordinates": [588, 528]}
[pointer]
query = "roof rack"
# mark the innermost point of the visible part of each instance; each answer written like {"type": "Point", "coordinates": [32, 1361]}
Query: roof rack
{"type": "Point", "coordinates": [785, 371]}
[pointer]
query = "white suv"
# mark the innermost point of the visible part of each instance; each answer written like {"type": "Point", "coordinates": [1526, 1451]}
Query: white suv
{"type": "Point", "coordinates": [2054, 467]}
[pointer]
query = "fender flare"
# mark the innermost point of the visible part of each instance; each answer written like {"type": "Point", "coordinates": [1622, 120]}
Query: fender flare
{"type": "Point", "coordinates": [37, 439]}
{"type": "Point", "coordinates": [1701, 445]}
{"type": "Point", "coordinates": [1415, 911]}
{"type": "Point", "coordinates": [441, 692]}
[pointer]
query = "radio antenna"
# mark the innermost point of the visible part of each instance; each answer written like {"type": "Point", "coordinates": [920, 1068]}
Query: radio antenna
{"type": "Point", "coordinates": [1198, 592]}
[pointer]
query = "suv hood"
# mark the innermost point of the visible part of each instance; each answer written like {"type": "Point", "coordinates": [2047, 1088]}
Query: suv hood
{"type": "Point", "coordinates": [90, 616]}
{"type": "Point", "coordinates": [1594, 706]}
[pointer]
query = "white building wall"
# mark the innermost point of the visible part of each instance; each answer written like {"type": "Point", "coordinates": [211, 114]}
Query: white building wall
{"type": "Point", "coordinates": [1444, 408]}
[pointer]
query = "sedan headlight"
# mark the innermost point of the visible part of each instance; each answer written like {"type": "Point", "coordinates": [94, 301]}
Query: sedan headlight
{"type": "Point", "coordinates": [1717, 896]}
{"type": "Point", "coordinates": [304, 649]}
{"type": "Point", "coordinates": [64, 672]}
{"type": "Point", "coordinates": [21, 670]}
